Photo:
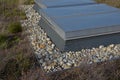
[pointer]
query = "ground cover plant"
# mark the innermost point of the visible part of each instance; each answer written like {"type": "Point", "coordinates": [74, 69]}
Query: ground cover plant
{"type": "Point", "coordinates": [16, 56]}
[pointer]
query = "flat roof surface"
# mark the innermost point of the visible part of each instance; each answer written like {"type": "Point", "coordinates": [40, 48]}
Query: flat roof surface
{"type": "Point", "coordinates": [91, 25]}
{"type": "Point", "coordinates": [87, 22]}
{"type": "Point", "coordinates": [62, 3]}
{"type": "Point", "coordinates": [83, 21]}
{"type": "Point", "coordinates": [78, 10]}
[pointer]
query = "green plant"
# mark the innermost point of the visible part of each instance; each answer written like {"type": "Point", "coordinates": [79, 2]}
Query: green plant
{"type": "Point", "coordinates": [23, 15]}
{"type": "Point", "coordinates": [3, 41]}
{"type": "Point", "coordinates": [15, 66]}
{"type": "Point", "coordinates": [2, 38]}
{"type": "Point", "coordinates": [7, 41]}
{"type": "Point", "coordinates": [15, 27]}
{"type": "Point", "coordinates": [12, 70]}
{"type": "Point", "coordinates": [15, 39]}
{"type": "Point", "coordinates": [27, 2]}
{"type": "Point", "coordinates": [24, 62]}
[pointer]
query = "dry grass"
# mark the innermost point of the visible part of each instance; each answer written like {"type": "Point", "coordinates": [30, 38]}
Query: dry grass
{"type": "Point", "coordinates": [115, 3]}
{"type": "Point", "coordinates": [101, 71]}
{"type": "Point", "coordinates": [18, 58]}
{"type": "Point", "coordinates": [34, 74]}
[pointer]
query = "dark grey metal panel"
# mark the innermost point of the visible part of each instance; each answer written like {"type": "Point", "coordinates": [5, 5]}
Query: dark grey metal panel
{"type": "Point", "coordinates": [91, 25]}
{"type": "Point", "coordinates": [78, 10]}
{"type": "Point", "coordinates": [80, 43]}
{"type": "Point", "coordinates": [90, 42]}
{"type": "Point", "coordinates": [62, 3]}
{"type": "Point", "coordinates": [60, 43]}
{"type": "Point", "coordinates": [36, 7]}
{"type": "Point", "coordinates": [84, 21]}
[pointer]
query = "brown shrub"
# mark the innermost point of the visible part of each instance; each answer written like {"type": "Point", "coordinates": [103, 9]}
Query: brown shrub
{"type": "Point", "coordinates": [109, 70]}
{"type": "Point", "coordinates": [34, 74]}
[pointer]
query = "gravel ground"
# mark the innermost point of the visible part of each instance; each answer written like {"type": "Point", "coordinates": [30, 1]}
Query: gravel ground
{"type": "Point", "coordinates": [50, 58]}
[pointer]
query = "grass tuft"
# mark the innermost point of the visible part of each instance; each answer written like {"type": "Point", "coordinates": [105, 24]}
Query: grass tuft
{"type": "Point", "coordinates": [28, 2]}
{"type": "Point", "coordinates": [15, 27]}
{"type": "Point", "coordinates": [3, 41]}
